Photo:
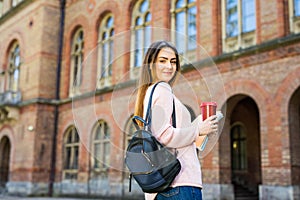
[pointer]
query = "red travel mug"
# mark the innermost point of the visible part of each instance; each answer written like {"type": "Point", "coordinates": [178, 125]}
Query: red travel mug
{"type": "Point", "coordinates": [207, 109]}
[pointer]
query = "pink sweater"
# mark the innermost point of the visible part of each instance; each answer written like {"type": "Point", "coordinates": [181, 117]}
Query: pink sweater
{"type": "Point", "coordinates": [182, 137]}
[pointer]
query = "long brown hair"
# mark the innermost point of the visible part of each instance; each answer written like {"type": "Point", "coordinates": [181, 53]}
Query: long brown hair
{"type": "Point", "coordinates": [148, 77]}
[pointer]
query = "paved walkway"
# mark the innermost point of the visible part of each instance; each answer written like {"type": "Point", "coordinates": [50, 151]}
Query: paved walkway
{"type": "Point", "coordinates": [47, 198]}
{"type": "Point", "coordinates": [8, 197]}
{"type": "Point", "coordinates": [4, 197]}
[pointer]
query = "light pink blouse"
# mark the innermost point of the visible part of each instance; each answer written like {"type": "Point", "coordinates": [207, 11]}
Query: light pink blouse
{"type": "Point", "coordinates": [182, 137]}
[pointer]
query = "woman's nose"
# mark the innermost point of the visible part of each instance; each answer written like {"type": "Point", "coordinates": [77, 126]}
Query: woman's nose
{"type": "Point", "coordinates": [169, 64]}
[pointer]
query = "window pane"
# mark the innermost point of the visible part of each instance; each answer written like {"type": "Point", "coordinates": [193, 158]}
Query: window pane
{"type": "Point", "coordinates": [75, 158]}
{"type": "Point", "coordinates": [144, 6]}
{"type": "Point", "coordinates": [106, 133]}
{"type": "Point", "coordinates": [104, 36]}
{"type": "Point", "coordinates": [67, 158]}
{"type": "Point", "coordinates": [138, 47]}
{"type": "Point", "coordinates": [192, 28]}
{"type": "Point", "coordinates": [297, 7]}
{"type": "Point", "coordinates": [104, 59]}
{"type": "Point", "coordinates": [248, 13]}
{"type": "Point", "coordinates": [239, 148]}
{"type": "Point", "coordinates": [112, 32]}
{"type": "Point", "coordinates": [232, 18]}
{"type": "Point", "coordinates": [69, 139]}
{"type": "Point", "coordinates": [148, 17]}
{"type": "Point", "coordinates": [17, 56]}
{"type": "Point", "coordinates": [77, 57]}
{"type": "Point", "coordinates": [97, 155]}
{"type": "Point", "coordinates": [180, 4]}
{"type": "Point", "coordinates": [141, 33]}
{"type": "Point", "coordinates": [107, 33]}
{"type": "Point", "coordinates": [235, 157]}
{"type": "Point", "coordinates": [97, 135]}
{"type": "Point", "coordinates": [106, 154]}
{"type": "Point", "coordinates": [14, 64]}
{"type": "Point", "coordinates": [111, 54]}
{"type": "Point", "coordinates": [110, 22]}
{"type": "Point", "coordinates": [76, 136]}
{"type": "Point", "coordinates": [138, 21]}
{"type": "Point", "coordinates": [147, 37]}
{"type": "Point", "coordinates": [180, 32]}
{"type": "Point", "coordinates": [243, 154]}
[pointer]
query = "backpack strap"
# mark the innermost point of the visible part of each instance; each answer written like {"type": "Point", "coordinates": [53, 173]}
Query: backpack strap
{"type": "Point", "coordinates": [135, 118]}
{"type": "Point", "coordinates": [149, 113]}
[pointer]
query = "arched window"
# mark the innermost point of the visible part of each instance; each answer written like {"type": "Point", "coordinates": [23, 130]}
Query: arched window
{"type": "Point", "coordinates": [101, 148]}
{"type": "Point", "coordinates": [239, 147]}
{"type": "Point", "coordinates": [184, 24]}
{"type": "Point", "coordinates": [14, 63]}
{"type": "Point", "coordinates": [76, 61]}
{"type": "Point", "coordinates": [70, 154]}
{"type": "Point", "coordinates": [141, 18]}
{"type": "Point", "coordinates": [106, 51]}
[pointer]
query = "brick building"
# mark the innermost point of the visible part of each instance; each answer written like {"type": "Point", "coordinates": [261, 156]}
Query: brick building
{"type": "Point", "coordinates": [68, 71]}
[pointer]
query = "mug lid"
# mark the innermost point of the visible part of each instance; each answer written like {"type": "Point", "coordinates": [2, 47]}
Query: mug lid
{"type": "Point", "coordinates": [208, 104]}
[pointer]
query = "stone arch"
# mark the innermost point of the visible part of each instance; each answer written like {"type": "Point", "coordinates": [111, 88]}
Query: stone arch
{"type": "Point", "coordinates": [105, 8]}
{"type": "Point", "coordinates": [287, 98]}
{"type": "Point", "coordinates": [14, 37]}
{"type": "Point", "coordinates": [248, 97]}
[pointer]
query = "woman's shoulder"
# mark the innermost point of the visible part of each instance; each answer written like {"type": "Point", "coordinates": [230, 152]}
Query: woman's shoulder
{"type": "Point", "coordinates": [162, 86]}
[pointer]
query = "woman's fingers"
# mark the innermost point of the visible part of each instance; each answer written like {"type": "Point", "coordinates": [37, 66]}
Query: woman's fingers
{"type": "Point", "coordinates": [210, 125]}
{"type": "Point", "coordinates": [213, 123]}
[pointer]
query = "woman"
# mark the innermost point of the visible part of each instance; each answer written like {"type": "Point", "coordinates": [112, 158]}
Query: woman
{"type": "Point", "coordinates": [161, 63]}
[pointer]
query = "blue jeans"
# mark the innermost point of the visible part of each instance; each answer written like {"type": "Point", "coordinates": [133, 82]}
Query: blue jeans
{"type": "Point", "coordinates": [181, 193]}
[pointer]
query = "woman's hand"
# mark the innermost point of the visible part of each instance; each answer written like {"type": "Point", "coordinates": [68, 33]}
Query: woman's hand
{"type": "Point", "coordinates": [209, 125]}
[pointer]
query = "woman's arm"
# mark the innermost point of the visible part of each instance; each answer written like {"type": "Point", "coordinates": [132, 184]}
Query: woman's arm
{"type": "Point", "coordinates": [161, 126]}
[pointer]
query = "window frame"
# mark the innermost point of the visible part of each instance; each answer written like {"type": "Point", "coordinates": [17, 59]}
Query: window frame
{"type": "Point", "coordinates": [76, 53]}
{"type": "Point", "coordinates": [105, 160]}
{"type": "Point", "coordinates": [294, 20]}
{"type": "Point", "coordinates": [104, 78]}
{"type": "Point", "coordinates": [190, 53]}
{"type": "Point", "coordinates": [144, 27]}
{"type": "Point", "coordinates": [71, 159]}
{"type": "Point", "coordinates": [13, 83]}
{"type": "Point", "coordinates": [242, 162]}
{"type": "Point", "coordinates": [242, 39]}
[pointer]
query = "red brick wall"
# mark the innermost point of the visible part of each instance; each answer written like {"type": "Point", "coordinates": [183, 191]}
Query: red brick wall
{"type": "Point", "coordinates": [267, 74]}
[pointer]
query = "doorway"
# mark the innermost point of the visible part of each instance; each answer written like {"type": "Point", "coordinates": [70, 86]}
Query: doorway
{"type": "Point", "coordinates": [294, 131]}
{"type": "Point", "coordinates": [245, 147]}
{"type": "Point", "coordinates": [5, 148]}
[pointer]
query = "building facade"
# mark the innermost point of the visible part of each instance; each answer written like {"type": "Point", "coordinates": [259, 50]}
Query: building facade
{"type": "Point", "coordinates": [68, 79]}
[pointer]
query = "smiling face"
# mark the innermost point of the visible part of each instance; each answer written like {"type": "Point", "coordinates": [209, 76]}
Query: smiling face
{"type": "Point", "coordinates": [165, 64]}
